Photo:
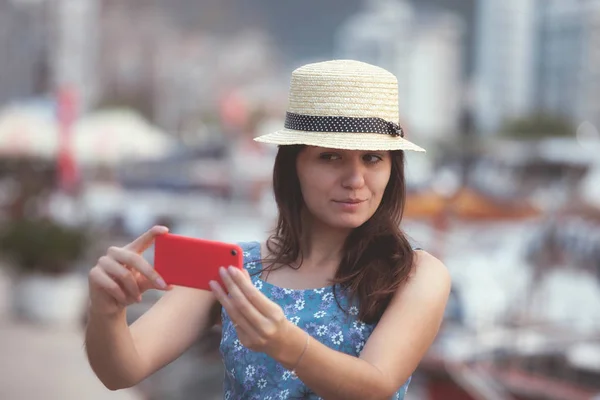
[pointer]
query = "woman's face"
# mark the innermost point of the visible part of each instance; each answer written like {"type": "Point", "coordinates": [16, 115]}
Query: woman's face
{"type": "Point", "coordinates": [343, 188]}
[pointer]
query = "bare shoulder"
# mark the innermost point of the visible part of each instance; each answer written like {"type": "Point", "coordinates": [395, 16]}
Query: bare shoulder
{"type": "Point", "coordinates": [429, 276]}
{"type": "Point", "coordinates": [426, 263]}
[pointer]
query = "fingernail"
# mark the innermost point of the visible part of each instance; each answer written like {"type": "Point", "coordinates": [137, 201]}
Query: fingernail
{"type": "Point", "coordinates": [139, 299]}
{"type": "Point", "coordinates": [161, 283]}
{"type": "Point", "coordinates": [232, 270]}
{"type": "Point", "coordinates": [163, 229]}
{"type": "Point", "coordinates": [222, 271]}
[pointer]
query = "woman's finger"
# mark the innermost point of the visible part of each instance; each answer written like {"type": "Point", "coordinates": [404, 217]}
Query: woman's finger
{"type": "Point", "coordinates": [260, 302]}
{"type": "Point", "coordinates": [146, 284]}
{"type": "Point", "coordinates": [136, 261]}
{"type": "Point", "coordinates": [241, 303]}
{"type": "Point", "coordinates": [145, 240]}
{"type": "Point", "coordinates": [101, 279]}
{"type": "Point", "coordinates": [236, 316]}
{"type": "Point", "coordinates": [123, 275]}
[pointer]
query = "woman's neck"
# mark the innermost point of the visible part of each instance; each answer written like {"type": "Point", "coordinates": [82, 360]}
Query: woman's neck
{"type": "Point", "coordinates": [322, 245]}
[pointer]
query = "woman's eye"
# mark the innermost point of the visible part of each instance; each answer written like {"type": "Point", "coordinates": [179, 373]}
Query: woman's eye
{"type": "Point", "coordinates": [372, 158]}
{"type": "Point", "coordinates": [329, 156]}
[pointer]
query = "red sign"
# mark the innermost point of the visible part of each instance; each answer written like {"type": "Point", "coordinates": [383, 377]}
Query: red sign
{"type": "Point", "coordinates": [68, 174]}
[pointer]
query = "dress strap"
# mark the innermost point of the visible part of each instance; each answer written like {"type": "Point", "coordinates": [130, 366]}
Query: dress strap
{"type": "Point", "coordinates": [251, 255]}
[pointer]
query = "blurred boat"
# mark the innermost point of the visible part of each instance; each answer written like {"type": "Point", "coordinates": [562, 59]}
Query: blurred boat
{"type": "Point", "coordinates": [513, 363]}
{"type": "Point", "coordinates": [467, 204]}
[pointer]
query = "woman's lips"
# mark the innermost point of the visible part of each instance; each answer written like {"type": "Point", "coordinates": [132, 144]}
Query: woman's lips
{"type": "Point", "coordinates": [349, 204]}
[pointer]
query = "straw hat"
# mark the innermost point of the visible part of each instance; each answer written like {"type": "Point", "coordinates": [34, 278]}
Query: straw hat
{"type": "Point", "coordinates": [342, 104]}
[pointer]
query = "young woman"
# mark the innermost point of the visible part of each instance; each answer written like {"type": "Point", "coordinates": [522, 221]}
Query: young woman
{"type": "Point", "coordinates": [335, 304]}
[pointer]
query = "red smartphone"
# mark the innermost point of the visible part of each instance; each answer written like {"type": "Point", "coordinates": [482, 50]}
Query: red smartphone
{"type": "Point", "coordinates": [186, 261]}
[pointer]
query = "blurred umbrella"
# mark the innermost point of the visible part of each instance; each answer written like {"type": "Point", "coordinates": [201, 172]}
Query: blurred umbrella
{"type": "Point", "coordinates": [26, 133]}
{"type": "Point", "coordinates": [112, 137]}
{"type": "Point", "coordinates": [101, 138]}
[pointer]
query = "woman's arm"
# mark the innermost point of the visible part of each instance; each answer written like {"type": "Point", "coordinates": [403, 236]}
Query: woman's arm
{"type": "Point", "coordinates": [392, 353]}
{"type": "Point", "coordinates": [122, 356]}
{"type": "Point", "coordinates": [394, 349]}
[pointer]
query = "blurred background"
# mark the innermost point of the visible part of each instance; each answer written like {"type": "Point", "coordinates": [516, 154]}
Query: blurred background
{"type": "Point", "coordinates": [118, 115]}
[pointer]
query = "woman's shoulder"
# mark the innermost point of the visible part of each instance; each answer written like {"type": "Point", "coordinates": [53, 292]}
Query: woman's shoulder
{"type": "Point", "coordinates": [429, 271]}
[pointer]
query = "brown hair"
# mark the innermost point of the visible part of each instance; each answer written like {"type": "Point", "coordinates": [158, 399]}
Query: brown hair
{"type": "Point", "coordinates": [377, 257]}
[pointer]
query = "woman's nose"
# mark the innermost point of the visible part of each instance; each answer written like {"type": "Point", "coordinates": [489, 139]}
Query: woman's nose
{"type": "Point", "coordinates": [353, 176]}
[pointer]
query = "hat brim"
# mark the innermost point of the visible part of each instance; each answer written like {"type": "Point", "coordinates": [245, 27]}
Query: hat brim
{"type": "Point", "coordinates": [339, 140]}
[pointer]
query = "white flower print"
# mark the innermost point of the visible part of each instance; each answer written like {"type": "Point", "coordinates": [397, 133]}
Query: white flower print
{"type": "Point", "coordinates": [284, 395]}
{"type": "Point", "coordinates": [359, 325]}
{"type": "Point", "coordinates": [300, 304]}
{"type": "Point", "coordinates": [295, 320]}
{"type": "Point", "coordinates": [262, 383]}
{"type": "Point", "coordinates": [328, 297]}
{"type": "Point", "coordinates": [246, 254]}
{"type": "Point", "coordinates": [359, 346]}
{"type": "Point", "coordinates": [287, 291]}
{"type": "Point", "coordinates": [353, 310]}
{"type": "Point", "coordinates": [237, 345]}
{"type": "Point", "coordinates": [250, 370]}
{"type": "Point", "coordinates": [286, 375]}
{"type": "Point", "coordinates": [322, 330]}
{"type": "Point", "coordinates": [320, 314]}
{"type": "Point", "coordinates": [337, 338]}
{"type": "Point", "coordinates": [319, 291]}
{"type": "Point", "coordinates": [258, 283]}
{"type": "Point", "coordinates": [227, 395]}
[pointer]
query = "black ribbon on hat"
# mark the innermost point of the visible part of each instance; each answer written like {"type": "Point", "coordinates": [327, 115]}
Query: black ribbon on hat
{"type": "Point", "coordinates": [312, 123]}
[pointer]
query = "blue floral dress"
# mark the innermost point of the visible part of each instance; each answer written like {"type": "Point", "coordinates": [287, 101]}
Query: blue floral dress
{"type": "Point", "coordinates": [254, 375]}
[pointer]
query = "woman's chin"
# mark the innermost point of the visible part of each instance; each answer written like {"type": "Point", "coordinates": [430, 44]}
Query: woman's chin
{"type": "Point", "coordinates": [348, 221]}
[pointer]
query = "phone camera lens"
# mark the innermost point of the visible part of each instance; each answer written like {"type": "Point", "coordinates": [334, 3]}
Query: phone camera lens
{"type": "Point", "coordinates": [234, 252]}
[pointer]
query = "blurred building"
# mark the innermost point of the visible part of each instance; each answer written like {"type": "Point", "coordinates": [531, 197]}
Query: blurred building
{"type": "Point", "coordinates": [423, 48]}
{"type": "Point", "coordinates": [24, 68]}
{"type": "Point", "coordinates": [568, 64]}
{"type": "Point", "coordinates": [178, 72]}
{"type": "Point", "coordinates": [74, 47]}
{"type": "Point", "coordinates": [504, 55]}
{"type": "Point", "coordinates": [209, 71]}
{"type": "Point", "coordinates": [45, 44]}
{"type": "Point", "coordinates": [130, 53]}
{"type": "Point", "coordinates": [536, 55]}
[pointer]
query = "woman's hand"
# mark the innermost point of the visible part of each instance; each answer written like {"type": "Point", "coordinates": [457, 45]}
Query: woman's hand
{"type": "Point", "coordinates": [122, 275]}
{"type": "Point", "coordinates": [260, 323]}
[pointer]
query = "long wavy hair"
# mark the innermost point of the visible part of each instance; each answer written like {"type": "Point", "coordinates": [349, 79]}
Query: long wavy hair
{"type": "Point", "coordinates": [376, 257]}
